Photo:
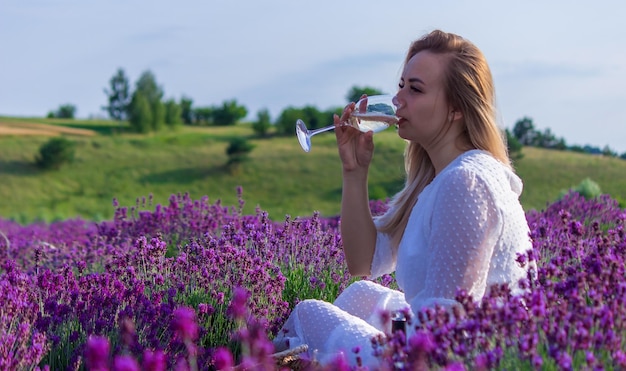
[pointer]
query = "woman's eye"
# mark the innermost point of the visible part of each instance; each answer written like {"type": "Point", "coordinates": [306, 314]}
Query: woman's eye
{"type": "Point", "coordinates": [412, 88]}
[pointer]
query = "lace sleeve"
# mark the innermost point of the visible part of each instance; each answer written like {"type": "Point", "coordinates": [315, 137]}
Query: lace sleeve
{"type": "Point", "coordinates": [465, 228]}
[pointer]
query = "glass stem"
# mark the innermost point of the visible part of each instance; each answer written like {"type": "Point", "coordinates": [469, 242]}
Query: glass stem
{"type": "Point", "coordinates": [321, 130]}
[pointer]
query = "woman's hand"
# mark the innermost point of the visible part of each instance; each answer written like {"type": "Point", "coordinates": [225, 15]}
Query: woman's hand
{"type": "Point", "coordinates": [355, 147]}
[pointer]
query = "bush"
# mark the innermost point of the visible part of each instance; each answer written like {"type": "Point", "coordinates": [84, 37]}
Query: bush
{"type": "Point", "coordinates": [55, 152]}
{"type": "Point", "coordinates": [263, 123]}
{"type": "Point", "coordinates": [238, 150]}
{"type": "Point", "coordinates": [587, 188]}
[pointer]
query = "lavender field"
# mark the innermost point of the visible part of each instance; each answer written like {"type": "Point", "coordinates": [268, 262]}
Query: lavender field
{"type": "Point", "coordinates": [198, 285]}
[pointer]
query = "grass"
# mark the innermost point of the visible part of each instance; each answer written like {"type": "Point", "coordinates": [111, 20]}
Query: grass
{"type": "Point", "coordinates": [547, 173]}
{"type": "Point", "coordinates": [279, 177]}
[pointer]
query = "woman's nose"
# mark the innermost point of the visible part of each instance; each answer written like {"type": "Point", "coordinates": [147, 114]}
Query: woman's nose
{"type": "Point", "coordinates": [395, 101]}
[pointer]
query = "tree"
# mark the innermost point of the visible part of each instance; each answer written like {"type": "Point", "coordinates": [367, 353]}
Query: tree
{"type": "Point", "coordinates": [607, 151]}
{"type": "Point", "coordinates": [140, 113]}
{"type": "Point", "coordinates": [173, 116]}
{"type": "Point", "coordinates": [514, 146]}
{"type": "Point", "coordinates": [286, 122]}
{"type": "Point", "coordinates": [561, 144]}
{"type": "Point", "coordinates": [262, 123]}
{"type": "Point", "coordinates": [203, 115]}
{"type": "Point", "coordinates": [152, 92]}
{"type": "Point", "coordinates": [355, 92]}
{"type": "Point", "coordinates": [186, 112]}
{"type": "Point", "coordinates": [524, 131]}
{"type": "Point", "coordinates": [576, 148]}
{"type": "Point", "coordinates": [65, 111]}
{"type": "Point", "coordinates": [229, 113]}
{"type": "Point", "coordinates": [158, 115]}
{"type": "Point", "coordinates": [118, 96]}
{"type": "Point", "coordinates": [149, 88]}
{"type": "Point", "coordinates": [311, 116]}
{"type": "Point", "coordinates": [545, 139]}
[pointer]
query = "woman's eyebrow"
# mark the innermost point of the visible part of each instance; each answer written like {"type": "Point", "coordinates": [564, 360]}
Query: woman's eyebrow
{"type": "Point", "coordinates": [416, 79]}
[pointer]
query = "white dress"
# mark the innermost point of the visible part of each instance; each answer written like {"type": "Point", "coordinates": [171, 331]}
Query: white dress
{"type": "Point", "coordinates": [465, 231]}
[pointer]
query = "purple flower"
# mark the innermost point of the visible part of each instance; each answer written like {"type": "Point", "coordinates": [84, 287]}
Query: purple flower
{"type": "Point", "coordinates": [220, 298]}
{"type": "Point", "coordinates": [152, 261]}
{"type": "Point", "coordinates": [481, 362]}
{"type": "Point", "coordinates": [565, 361]}
{"type": "Point", "coordinates": [455, 366]}
{"type": "Point", "coordinates": [97, 353]}
{"type": "Point", "coordinates": [185, 323]}
{"type": "Point", "coordinates": [223, 358]}
{"type": "Point", "coordinates": [537, 361]}
{"type": "Point", "coordinates": [125, 363]}
{"type": "Point", "coordinates": [237, 308]}
{"type": "Point", "coordinates": [422, 341]}
{"type": "Point", "coordinates": [181, 365]}
{"type": "Point", "coordinates": [205, 309]}
{"type": "Point", "coordinates": [154, 360]}
{"type": "Point", "coordinates": [339, 363]}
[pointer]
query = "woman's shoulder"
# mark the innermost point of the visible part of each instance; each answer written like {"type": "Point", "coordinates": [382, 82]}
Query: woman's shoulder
{"type": "Point", "coordinates": [473, 162]}
{"type": "Point", "coordinates": [484, 166]}
{"type": "Point", "coordinates": [481, 166]}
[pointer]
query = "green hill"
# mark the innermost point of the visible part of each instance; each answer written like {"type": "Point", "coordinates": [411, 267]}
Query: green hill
{"type": "Point", "coordinates": [546, 173]}
{"type": "Point", "coordinates": [279, 177]}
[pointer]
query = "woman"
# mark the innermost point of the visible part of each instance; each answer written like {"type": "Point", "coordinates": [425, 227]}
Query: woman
{"type": "Point", "coordinates": [456, 224]}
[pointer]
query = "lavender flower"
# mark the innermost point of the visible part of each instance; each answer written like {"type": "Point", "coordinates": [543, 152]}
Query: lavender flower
{"type": "Point", "coordinates": [223, 359]}
{"type": "Point", "coordinates": [97, 353]}
{"type": "Point", "coordinates": [185, 323]}
{"type": "Point", "coordinates": [154, 360]}
{"type": "Point", "coordinates": [66, 285]}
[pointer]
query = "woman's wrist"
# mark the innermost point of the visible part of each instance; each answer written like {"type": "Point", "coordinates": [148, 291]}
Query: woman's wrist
{"type": "Point", "coordinates": [355, 176]}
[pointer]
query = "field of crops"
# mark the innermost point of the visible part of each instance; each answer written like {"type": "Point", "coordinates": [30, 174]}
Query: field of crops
{"type": "Point", "coordinates": [122, 261]}
{"type": "Point", "coordinates": [198, 285]}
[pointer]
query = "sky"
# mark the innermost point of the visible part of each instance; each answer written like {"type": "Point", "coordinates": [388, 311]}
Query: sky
{"type": "Point", "coordinates": [561, 63]}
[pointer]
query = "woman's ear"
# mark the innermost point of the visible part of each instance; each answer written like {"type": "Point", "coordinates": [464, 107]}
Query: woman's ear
{"type": "Point", "coordinates": [455, 115]}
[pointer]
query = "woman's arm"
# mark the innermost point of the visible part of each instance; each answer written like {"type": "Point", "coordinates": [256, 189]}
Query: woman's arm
{"type": "Point", "coordinates": [358, 231]}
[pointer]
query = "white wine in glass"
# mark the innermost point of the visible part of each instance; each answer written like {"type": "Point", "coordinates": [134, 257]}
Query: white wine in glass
{"type": "Point", "coordinates": [375, 113]}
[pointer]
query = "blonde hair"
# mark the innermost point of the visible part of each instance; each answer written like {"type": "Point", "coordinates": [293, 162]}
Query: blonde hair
{"type": "Point", "coordinates": [469, 88]}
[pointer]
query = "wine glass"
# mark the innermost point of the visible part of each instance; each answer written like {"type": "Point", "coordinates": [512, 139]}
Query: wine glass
{"type": "Point", "coordinates": [375, 113]}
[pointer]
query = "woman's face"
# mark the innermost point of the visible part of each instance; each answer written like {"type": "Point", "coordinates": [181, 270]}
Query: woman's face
{"type": "Point", "coordinates": [420, 100]}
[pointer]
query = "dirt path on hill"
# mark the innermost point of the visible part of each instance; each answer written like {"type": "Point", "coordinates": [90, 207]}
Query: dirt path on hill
{"type": "Point", "coordinates": [16, 128]}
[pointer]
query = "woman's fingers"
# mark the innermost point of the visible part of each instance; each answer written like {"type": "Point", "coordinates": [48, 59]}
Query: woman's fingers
{"type": "Point", "coordinates": [363, 103]}
{"type": "Point", "coordinates": [347, 112]}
